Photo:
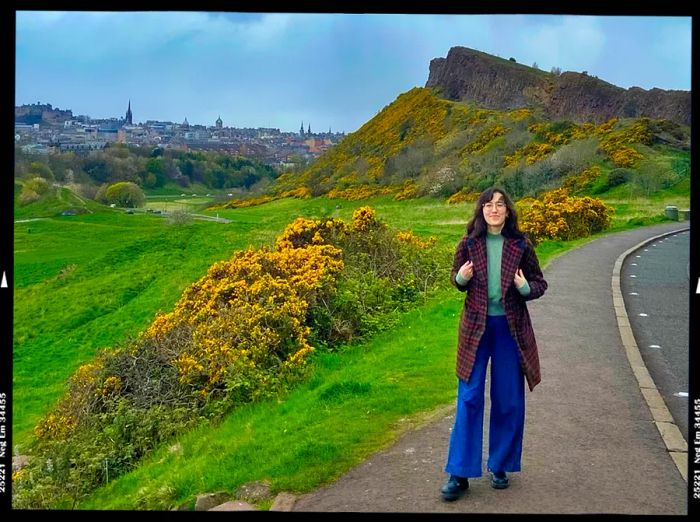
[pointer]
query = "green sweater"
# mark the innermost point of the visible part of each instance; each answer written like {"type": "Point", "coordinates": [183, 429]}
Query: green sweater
{"type": "Point", "coordinates": [494, 251]}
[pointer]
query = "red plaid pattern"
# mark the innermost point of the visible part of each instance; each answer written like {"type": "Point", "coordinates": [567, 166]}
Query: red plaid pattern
{"type": "Point", "coordinates": [517, 253]}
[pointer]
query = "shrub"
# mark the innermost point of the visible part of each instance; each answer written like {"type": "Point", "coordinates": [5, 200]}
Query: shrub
{"type": "Point", "coordinates": [556, 215]}
{"type": "Point", "coordinates": [179, 217]}
{"type": "Point", "coordinates": [463, 197]}
{"type": "Point", "coordinates": [124, 194]}
{"type": "Point", "coordinates": [408, 191]}
{"type": "Point", "coordinates": [582, 180]}
{"type": "Point", "coordinates": [42, 170]}
{"type": "Point", "coordinates": [360, 192]}
{"type": "Point", "coordinates": [38, 185]}
{"type": "Point", "coordinates": [28, 196]}
{"type": "Point", "coordinates": [619, 176]}
{"type": "Point", "coordinates": [615, 143]}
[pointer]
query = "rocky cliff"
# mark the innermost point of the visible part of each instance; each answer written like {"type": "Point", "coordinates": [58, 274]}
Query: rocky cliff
{"type": "Point", "coordinates": [495, 83]}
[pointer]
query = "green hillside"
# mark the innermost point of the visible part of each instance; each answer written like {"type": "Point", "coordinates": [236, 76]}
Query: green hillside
{"type": "Point", "coordinates": [423, 145]}
{"type": "Point", "coordinates": [37, 198]}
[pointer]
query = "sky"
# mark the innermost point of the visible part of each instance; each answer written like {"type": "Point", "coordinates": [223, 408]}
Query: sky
{"type": "Point", "coordinates": [332, 71]}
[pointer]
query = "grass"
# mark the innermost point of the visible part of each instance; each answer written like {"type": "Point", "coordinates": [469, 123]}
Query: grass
{"type": "Point", "coordinates": [89, 281]}
{"type": "Point", "coordinates": [634, 208]}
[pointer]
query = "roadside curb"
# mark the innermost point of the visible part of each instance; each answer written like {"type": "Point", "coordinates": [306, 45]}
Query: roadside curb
{"type": "Point", "coordinates": [671, 435]}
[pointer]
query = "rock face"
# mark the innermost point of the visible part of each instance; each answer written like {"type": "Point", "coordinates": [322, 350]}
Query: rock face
{"type": "Point", "coordinates": [495, 83]}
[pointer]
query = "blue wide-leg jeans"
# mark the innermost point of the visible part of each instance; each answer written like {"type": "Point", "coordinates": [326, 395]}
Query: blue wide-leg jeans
{"type": "Point", "coordinates": [507, 419]}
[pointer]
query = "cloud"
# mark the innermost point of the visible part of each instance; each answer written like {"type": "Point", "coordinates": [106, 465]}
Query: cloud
{"type": "Point", "coordinates": [572, 43]}
{"type": "Point", "coordinates": [39, 19]}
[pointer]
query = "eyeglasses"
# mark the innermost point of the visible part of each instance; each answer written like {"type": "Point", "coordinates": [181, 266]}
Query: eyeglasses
{"type": "Point", "coordinates": [499, 205]}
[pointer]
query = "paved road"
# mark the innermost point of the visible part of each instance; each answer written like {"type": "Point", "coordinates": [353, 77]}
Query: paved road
{"type": "Point", "coordinates": [590, 443]}
{"type": "Point", "coordinates": [660, 290]}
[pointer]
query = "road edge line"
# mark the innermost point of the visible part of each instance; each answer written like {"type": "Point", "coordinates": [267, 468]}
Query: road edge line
{"type": "Point", "coordinates": [676, 445]}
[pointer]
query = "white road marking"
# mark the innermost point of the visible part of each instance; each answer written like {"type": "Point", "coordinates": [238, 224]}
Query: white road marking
{"type": "Point", "coordinates": [681, 394]}
{"type": "Point", "coordinates": [636, 276]}
{"type": "Point", "coordinates": [643, 315]}
{"type": "Point", "coordinates": [654, 346]}
{"type": "Point", "coordinates": [634, 293]}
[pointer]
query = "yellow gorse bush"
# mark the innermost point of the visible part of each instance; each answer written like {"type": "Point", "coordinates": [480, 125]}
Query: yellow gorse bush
{"type": "Point", "coordinates": [361, 192]}
{"type": "Point", "coordinates": [408, 191]}
{"type": "Point", "coordinates": [531, 153]}
{"type": "Point", "coordinates": [365, 219]}
{"type": "Point", "coordinates": [303, 231]}
{"type": "Point", "coordinates": [557, 215]}
{"type": "Point", "coordinates": [251, 312]}
{"type": "Point", "coordinates": [486, 136]}
{"type": "Point", "coordinates": [463, 197]}
{"type": "Point", "coordinates": [519, 114]}
{"type": "Point", "coordinates": [408, 237]}
{"type": "Point", "coordinates": [299, 193]}
{"type": "Point", "coordinates": [614, 143]}
{"type": "Point", "coordinates": [248, 202]}
{"type": "Point", "coordinates": [583, 179]}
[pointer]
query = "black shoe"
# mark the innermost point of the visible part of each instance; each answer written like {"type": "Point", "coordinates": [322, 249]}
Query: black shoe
{"type": "Point", "coordinates": [499, 480]}
{"type": "Point", "coordinates": [454, 488]}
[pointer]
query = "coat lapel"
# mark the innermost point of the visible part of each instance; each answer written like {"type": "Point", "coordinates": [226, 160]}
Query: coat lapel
{"type": "Point", "coordinates": [510, 261]}
{"type": "Point", "coordinates": [477, 254]}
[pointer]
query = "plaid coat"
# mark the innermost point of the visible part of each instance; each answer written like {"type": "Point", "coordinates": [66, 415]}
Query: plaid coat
{"type": "Point", "coordinates": [517, 253]}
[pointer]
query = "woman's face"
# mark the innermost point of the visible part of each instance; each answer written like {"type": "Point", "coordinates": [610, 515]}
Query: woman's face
{"type": "Point", "coordinates": [495, 211]}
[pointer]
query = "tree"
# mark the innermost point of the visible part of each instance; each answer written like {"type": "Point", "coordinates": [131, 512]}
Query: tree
{"type": "Point", "coordinates": [156, 167]}
{"type": "Point", "coordinates": [98, 169]}
{"type": "Point", "coordinates": [42, 170]}
{"type": "Point", "coordinates": [123, 194]}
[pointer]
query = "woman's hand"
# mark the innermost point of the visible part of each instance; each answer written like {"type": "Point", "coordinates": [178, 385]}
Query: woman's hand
{"type": "Point", "coordinates": [519, 278]}
{"type": "Point", "coordinates": [466, 271]}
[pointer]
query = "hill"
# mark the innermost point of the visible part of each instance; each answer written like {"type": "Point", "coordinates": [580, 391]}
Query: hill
{"type": "Point", "coordinates": [36, 197]}
{"type": "Point", "coordinates": [470, 75]}
{"type": "Point", "coordinates": [483, 120]}
{"type": "Point", "coordinates": [425, 145]}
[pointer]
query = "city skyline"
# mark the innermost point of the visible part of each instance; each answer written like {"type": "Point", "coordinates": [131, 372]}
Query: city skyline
{"type": "Point", "coordinates": [126, 119]}
{"type": "Point", "coordinates": [275, 70]}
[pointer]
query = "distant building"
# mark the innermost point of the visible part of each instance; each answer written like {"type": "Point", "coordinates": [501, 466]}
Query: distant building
{"type": "Point", "coordinates": [219, 123]}
{"type": "Point", "coordinates": [128, 119]}
{"type": "Point", "coordinates": [35, 148]}
{"type": "Point", "coordinates": [83, 147]}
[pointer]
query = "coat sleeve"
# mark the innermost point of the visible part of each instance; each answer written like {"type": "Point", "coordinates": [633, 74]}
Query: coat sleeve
{"type": "Point", "coordinates": [533, 273]}
{"type": "Point", "coordinates": [461, 257]}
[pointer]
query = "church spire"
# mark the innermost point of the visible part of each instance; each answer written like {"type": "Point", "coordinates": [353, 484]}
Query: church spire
{"type": "Point", "coordinates": [301, 130]}
{"type": "Point", "coordinates": [129, 118]}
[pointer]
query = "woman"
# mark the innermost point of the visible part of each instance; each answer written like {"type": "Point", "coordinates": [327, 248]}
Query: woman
{"type": "Point", "coordinates": [497, 267]}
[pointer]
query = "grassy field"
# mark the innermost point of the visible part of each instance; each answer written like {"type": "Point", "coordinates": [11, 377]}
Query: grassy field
{"type": "Point", "coordinates": [89, 281]}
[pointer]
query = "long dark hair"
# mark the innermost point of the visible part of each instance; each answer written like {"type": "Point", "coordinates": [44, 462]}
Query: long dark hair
{"type": "Point", "coordinates": [477, 225]}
